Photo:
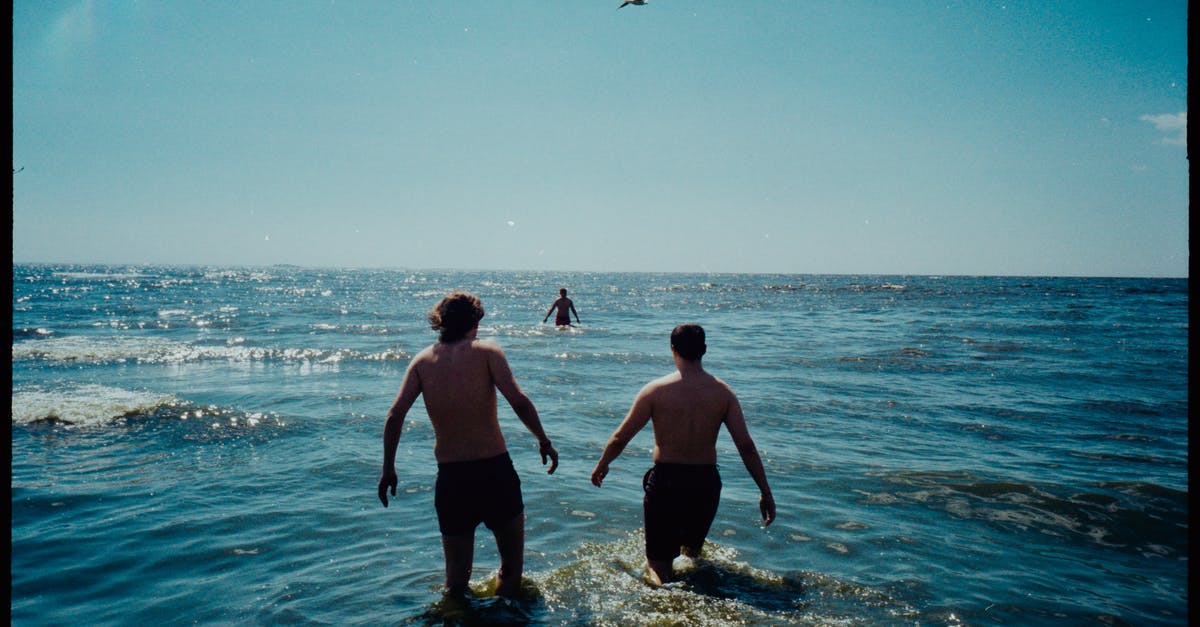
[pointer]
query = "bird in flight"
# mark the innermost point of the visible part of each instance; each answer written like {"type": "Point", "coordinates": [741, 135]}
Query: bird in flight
{"type": "Point", "coordinates": [637, 2]}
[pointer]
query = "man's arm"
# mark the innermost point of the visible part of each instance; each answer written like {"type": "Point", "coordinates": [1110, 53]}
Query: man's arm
{"type": "Point", "coordinates": [735, 423]}
{"type": "Point", "coordinates": [503, 377]}
{"type": "Point", "coordinates": [575, 312]}
{"type": "Point", "coordinates": [410, 389]}
{"type": "Point", "coordinates": [550, 311]}
{"type": "Point", "coordinates": [637, 418]}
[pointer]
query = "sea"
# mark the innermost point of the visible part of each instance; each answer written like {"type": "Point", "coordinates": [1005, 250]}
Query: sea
{"type": "Point", "coordinates": [202, 445]}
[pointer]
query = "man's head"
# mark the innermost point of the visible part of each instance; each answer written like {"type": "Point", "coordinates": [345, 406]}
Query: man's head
{"type": "Point", "coordinates": [687, 340]}
{"type": "Point", "coordinates": [456, 315]}
{"type": "Point", "coordinates": [562, 292]}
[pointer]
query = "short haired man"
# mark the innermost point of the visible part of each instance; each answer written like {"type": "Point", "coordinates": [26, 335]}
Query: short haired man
{"type": "Point", "coordinates": [565, 307]}
{"type": "Point", "coordinates": [683, 488]}
{"type": "Point", "coordinates": [476, 482]}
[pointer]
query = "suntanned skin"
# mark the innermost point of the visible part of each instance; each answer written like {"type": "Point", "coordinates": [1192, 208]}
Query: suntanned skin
{"type": "Point", "coordinates": [565, 307]}
{"type": "Point", "coordinates": [688, 408]}
{"type": "Point", "coordinates": [459, 381]}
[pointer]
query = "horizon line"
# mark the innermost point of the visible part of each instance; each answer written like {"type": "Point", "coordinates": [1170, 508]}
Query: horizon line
{"type": "Point", "coordinates": [694, 272]}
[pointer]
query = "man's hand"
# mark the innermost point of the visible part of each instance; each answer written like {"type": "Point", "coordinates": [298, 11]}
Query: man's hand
{"type": "Point", "coordinates": [599, 473]}
{"type": "Point", "coordinates": [386, 480]}
{"type": "Point", "coordinates": [548, 452]}
{"type": "Point", "coordinates": [766, 505]}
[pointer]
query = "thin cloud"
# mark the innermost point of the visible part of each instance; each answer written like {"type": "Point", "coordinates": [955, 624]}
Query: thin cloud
{"type": "Point", "coordinates": [1173, 124]}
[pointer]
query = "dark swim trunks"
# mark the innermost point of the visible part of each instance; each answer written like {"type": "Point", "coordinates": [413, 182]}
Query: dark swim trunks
{"type": "Point", "coordinates": [471, 492]}
{"type": "Point", "coordinates": [561, 320]}
{"type": "Point", "coordinates": [679, 506]}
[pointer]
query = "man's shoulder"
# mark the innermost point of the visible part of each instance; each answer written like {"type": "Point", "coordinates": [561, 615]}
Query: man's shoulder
{"type": "Point", "coordinates": [422, 359]}
{"type": "Point", "coordinates": [721, 382]}
{"type": "Point", "coordinates": [486, 345]}
{"type": "Point", "coordinates": [660, 382]}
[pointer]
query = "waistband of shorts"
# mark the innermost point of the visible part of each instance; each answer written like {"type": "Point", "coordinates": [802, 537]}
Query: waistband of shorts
{"type": "Point", "coordinates": [684, 469]}
{"type": "Point", "coordinates": [500, 460]}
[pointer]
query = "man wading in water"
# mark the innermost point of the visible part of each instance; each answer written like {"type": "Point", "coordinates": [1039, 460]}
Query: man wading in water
{"type": "Point", "coordinates": [476, 481]}
{"type": "Point", "coordinates": [683, 488]}
{"type": "Point", "coordinates": [565, 307]}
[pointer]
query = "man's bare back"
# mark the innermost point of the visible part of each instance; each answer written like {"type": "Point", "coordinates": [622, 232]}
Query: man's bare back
{"type": "Point", "coordinates": [687, 408]}
{"type": "Point", "coordinates": [687, 411]}
{"type": "Point", "coordinates": [460, 397]}
{"type": "Point", "coordinates": [459, 376]}
{"type": "Point", "coordinates": [459, 381]}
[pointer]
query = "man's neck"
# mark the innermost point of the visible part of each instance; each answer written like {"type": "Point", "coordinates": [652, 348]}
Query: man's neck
{"type": "Point", "coordinates": [688, 366]}
{"type": "Point", "coordinates": [470, 335]}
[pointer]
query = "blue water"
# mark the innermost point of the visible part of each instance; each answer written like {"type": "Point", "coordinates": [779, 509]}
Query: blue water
{"type": "Point", "coordinates": [195, 445]}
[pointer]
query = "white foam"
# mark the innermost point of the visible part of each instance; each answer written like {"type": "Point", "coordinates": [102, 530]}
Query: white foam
{"type": "Point", "coordinates": [88, 276]}
{"type": "Point", "coordinates": [235, 276]}
{"type": "Point", "coordinates": [84, 405]}
{"type": "Point", "coordinates": [159, 351]}
{"type": "Point", "coordinates": [97, 349]}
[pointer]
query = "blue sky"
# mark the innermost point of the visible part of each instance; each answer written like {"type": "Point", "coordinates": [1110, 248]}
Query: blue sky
{"type": "Point", "coordinates": [995, 138]}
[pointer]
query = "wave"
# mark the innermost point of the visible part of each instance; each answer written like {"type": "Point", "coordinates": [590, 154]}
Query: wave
{"type": "Point", "coordinates": [237, 275]}
{"type": "Point", "coordinates": [1176, 287]}
{"type": "Point", "coordinates": [602, 584]}
{"type": "Point", "coordinates": [87, 405]}
{"type": "Point", "coordinates": [799, 286]}
{"type": "Point", "coordinates": [91, 405]}
{"type": "Point", "coordinates": [1143, 517]}
{"type": "Point", "coordinates": [98, 276]}
{"type": "Point", "coordinates": [38, 332]}
{"type": "Point", "coordinates": [352, 329]}
{"type": "Point", "coordinates": [99, 350]}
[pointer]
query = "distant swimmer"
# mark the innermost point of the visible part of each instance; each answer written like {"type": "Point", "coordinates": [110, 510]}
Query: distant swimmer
{"type": "Point", "coordinates": [565, 307]}
{"type": "Point", "coordinates": [637, 2]}
{"type": "Point", "coordinates": [683, 488]}
{"type": "Point", "coordinates": [476, 482]}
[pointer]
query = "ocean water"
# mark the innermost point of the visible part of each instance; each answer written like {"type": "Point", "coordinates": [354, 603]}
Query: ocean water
{"type": "Point", "coordinates": [201, 445]}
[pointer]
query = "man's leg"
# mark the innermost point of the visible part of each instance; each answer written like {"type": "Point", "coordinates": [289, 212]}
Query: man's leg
{"type": "Point", "coordinates": [510, 542]}
{"type": "Point", "coordinates": [658, 512]}
{"type": "Point", "coordinates": [702, 511]}
{"type": "Point", "coordinates": [460, 555]}
{"type": "Point", "coordinates": [660, 572]}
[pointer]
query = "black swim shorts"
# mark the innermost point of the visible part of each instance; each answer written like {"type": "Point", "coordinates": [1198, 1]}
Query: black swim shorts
{"type": "Point", "coordinates": [471, 492]}
{"type": "Point", "coordinates": [679, 506]}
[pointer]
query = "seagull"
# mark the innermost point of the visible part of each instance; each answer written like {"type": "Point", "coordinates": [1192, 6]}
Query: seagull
{"type": "Point", "coordinates": [637, 2]}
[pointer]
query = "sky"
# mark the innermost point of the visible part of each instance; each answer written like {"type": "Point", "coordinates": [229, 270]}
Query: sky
{"type": "Point", "coordinates": [798, 137]}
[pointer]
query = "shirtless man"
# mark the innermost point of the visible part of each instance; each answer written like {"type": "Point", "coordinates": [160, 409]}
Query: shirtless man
{"type": "Point", "coordinates": [476, 482]}
{"type": "Point", "coordinates": [683, 487]}
{"type": "Point", "coordinates": [565, 308]}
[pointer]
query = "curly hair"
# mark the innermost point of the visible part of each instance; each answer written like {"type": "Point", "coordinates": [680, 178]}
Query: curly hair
{"type": "Point", "coordinates": [455, 316]}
